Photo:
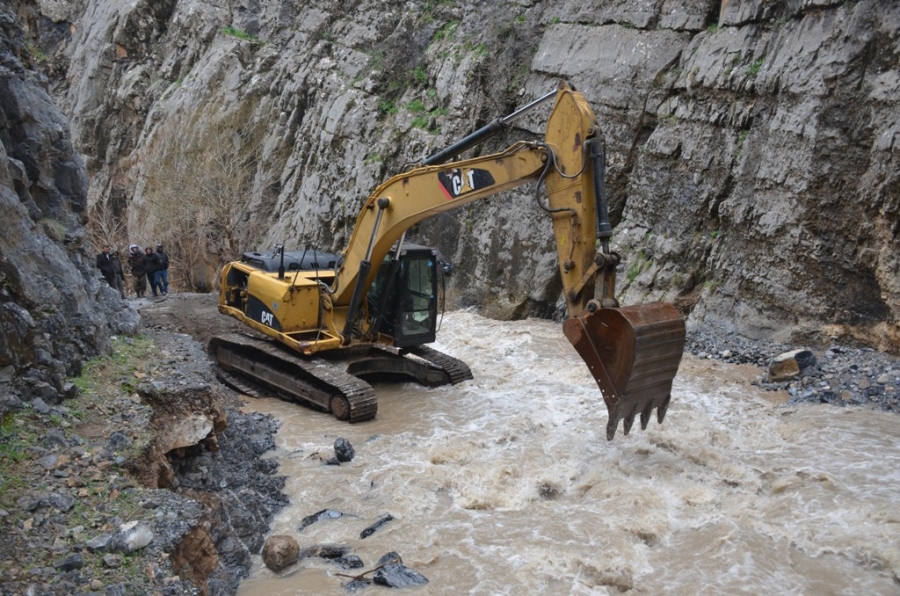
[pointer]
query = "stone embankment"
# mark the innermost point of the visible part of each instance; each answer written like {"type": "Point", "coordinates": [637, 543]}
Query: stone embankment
{"type": "Point", "coordinates": [149, 481]}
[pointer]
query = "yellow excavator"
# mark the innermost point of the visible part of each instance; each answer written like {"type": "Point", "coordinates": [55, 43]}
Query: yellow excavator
{"type": "Point", "coordinates": [329, 323]}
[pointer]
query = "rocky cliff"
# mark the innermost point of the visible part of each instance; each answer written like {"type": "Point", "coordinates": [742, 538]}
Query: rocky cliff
{"type": "Point", "coordinates": [54, 313]}
{"type": "Point", "coordinates": [753, 144]}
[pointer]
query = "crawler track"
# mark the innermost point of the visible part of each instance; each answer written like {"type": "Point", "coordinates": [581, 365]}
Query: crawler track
{"type": "Point", "coordinates": [313, 381]}
{"type": "Point", "coordinates": [455, 368]}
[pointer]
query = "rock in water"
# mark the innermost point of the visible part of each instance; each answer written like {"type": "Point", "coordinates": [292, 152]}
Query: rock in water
{"type": "Point", "coordinates": [371, 529]}
{"type": "Point", "coordinates": [344, 450]}
{"type": "Point", "coordinates": [318, 516]}
{"type": "Point", "coordinates": [394, 574]}
{"type": "Point", "coordinates": [279, 552]}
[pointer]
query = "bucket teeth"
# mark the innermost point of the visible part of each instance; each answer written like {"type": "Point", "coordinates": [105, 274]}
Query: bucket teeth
{"type": "Point", "coordinates": [661, 410]}
{"type": "Point", "coordinates": [645, 416]}
{"type": "Point", "coordinates": [626, 426]}
{"type": "Point", "coordinates": [611, 428]}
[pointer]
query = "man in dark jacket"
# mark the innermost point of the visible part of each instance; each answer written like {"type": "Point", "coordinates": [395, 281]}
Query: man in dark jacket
{"type": "Point", "coordinates": [118, 274]}
{"type": "Point", "coordinates": [162, 275]}
{"type": "Point", "coordinates": [151, 266]}
{"type": "Point", "coordinates": [136, 263]}
{"type": "Point", "coordinates": [104, 264]}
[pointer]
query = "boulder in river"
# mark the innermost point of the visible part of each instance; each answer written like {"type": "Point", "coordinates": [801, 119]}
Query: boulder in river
{"type": "Point", "coordinates": [280, 552]}
{"type": "Point", "coordinates": [343, 450]}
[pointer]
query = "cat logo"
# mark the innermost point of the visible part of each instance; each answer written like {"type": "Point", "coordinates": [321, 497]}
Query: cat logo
{"type": "Point", "coordinates": [266, 318]}
{"type": "Point", "coordinates": [458, 182]}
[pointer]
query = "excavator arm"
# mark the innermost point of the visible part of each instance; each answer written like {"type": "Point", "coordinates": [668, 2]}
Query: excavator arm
{"type": "Point", "coordinates": [562, 162]}
{"type": "Point", "coordinates": [632, 352]}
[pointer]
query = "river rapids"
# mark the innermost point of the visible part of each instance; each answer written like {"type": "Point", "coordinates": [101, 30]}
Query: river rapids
{"type": "Point", "coordinates": [506, 484]}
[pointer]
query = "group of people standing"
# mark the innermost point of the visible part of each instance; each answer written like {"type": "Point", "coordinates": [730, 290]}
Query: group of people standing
{"type": "Point", "coordinates": [146, 266]}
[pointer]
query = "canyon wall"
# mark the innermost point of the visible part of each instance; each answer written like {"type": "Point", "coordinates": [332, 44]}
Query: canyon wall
{"type": "Point", "coordinates": [54, 311]}
{"type": "Point", "coordinates": [752, 145]}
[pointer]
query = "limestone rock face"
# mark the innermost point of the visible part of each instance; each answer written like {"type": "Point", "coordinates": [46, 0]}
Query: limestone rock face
{"type": "Point", "coordinates": [54, 312]}
{"type": "Point", "coordinates": [752, 146]}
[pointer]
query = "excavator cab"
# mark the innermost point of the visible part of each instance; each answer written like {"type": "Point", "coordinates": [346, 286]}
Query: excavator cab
{"type": "Point", "coordinates": [403, 298]}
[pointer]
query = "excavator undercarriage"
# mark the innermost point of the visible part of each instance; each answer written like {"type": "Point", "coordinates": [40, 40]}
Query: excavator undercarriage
{"type": "Point", "coordinates": [336, 383]}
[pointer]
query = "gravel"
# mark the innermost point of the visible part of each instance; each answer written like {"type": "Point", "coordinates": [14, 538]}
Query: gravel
{"type": "Point", "coordinates": [840, 375]}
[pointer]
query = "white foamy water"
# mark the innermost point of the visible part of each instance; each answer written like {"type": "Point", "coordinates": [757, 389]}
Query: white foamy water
{"type": "Point", "coordinates": [507, 485]}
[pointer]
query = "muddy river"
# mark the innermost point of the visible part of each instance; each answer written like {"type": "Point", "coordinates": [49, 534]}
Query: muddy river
{"type": "Point", "coordinates": [506, 484]}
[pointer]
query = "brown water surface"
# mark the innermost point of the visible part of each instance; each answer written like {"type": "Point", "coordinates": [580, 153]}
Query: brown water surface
{"type": "Point", "coordinates": [506, 484]}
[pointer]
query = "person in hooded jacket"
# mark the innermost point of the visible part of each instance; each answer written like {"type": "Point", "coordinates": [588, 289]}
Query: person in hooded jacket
{"type": "Point", "coordinates": [162, 275]}
{"type": "Point", "coordinates": [138, 274]}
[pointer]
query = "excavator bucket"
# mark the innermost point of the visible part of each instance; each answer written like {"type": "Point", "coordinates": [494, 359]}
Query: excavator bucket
{"type": "Point", "coordinates": [633, 353]}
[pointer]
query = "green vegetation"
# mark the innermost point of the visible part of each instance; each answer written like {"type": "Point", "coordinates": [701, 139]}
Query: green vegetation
{"type": "Point", "coordinates": [739, 142]}
{"type": "Point", "coordinates": [734, 62]}
{"type": "Point", "coordinates": [520, 75]}
{"type": "Point", "coordinates": [13, 444]}
{"type": "Point", "coordinates": [445, 32]}
{"type": "Point", "coordinates": [36, 52]}
{"type": "Point", "coordinates": [555, 21]}
{"type": "Point", "coordinates": [424, 116]}
{"type": "Point", "coordinates": [416, 106]}
{"type": "Point", "coordinates": [387, 107]}
{"type": "Point", "coordinates": [754, 68]}
{"type": "Point", "coordinates": [430, 5]}
{"type": "Point", "coordinates": [420, 74]}
{"type": "Point", "coordinates": [712, 28]}
{"type": "Point", "coordinates": [101, 493]}
{"type": "Point", "coordinates": [668, 119]}
{"type": "Point", "coordinates": [120, 365]}
{"type": "Point", "coordinates": [377, 59]}
{"type": "Point", "coordinates": [479, 49]}
{"type": "Point", "coordinates": [640, 263]}
{"type": "Point", "coordinates": [421, 122]}
{"type": "Point", "coordinates": [232, 32]}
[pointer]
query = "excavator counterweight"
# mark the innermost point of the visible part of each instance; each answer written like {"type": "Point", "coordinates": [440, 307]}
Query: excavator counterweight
{"type": "Point", "coordinates": [331, 322]}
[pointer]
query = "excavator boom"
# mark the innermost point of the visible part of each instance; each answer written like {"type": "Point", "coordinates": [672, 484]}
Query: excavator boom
{"type": "Point", "coordinates": [633, 352]}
